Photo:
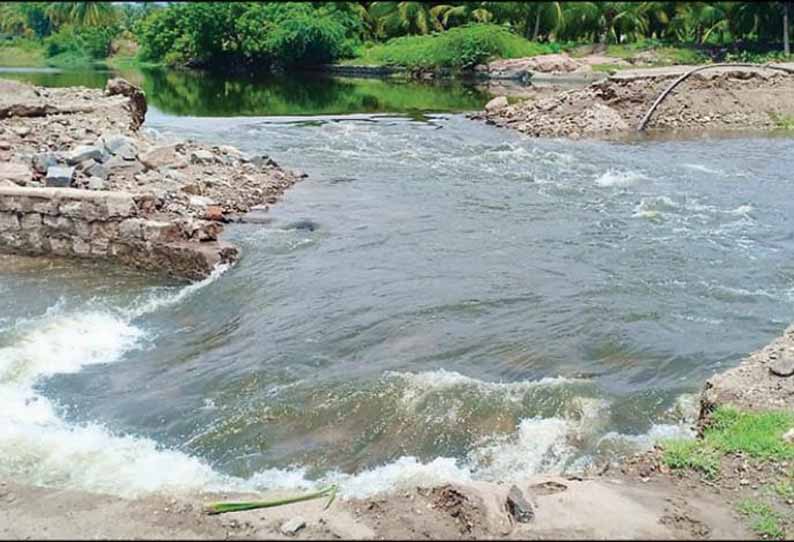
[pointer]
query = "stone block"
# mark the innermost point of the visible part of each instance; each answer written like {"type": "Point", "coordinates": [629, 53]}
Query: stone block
{"type": "Point", "coordinates": [160, 232]}
{"type": "Point", "coordinates": [120, 205]}
{"type": "Point", "coordinates": [99, 247]}
{"type": "Point", "coordinates": [31, 221]}
{"type": "Point", "coordinates": [82, 228]}
{"type": "Point", "coordinates": [104, 230]}
{"type": "Point", "coordinates": [60, 246]}
{"type": "Point", "coordinates": [81, 247]}
{"type": "Point", "coordinates": [44, 205]}
{"type": "Point", "coordinates": [9, 221]}
{"type": "Point", "coordinates": [59, 224]}
{"type": "Point", "coordinates": [131, 229]}
{"type": "Point", "coordinates": [60, 176]}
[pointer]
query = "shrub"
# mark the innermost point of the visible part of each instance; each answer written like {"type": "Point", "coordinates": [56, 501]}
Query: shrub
{"type": "Point", "coordinates": [460, 48]}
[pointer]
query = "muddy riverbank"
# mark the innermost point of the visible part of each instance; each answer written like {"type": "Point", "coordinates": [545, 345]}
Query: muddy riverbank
{"type": "Point", "coordinates": [720, 99]}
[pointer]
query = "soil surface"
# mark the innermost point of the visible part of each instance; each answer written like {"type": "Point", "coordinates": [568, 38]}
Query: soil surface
{"type": "Point", "coordinates": [720, 99]}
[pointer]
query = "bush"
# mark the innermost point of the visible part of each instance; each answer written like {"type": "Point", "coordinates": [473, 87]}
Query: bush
{"type": "Point", "coordinates": [459, 48]}
{"type": "Point", "coordinates": [223, 33]}
{"type": "Point", "coordinates": [91, 42]}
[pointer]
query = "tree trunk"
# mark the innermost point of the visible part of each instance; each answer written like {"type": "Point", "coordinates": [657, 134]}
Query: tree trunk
{"type": "Point", "coordinates": [537, 25]}
{"type": "Point", "coordinates": [786, 48]}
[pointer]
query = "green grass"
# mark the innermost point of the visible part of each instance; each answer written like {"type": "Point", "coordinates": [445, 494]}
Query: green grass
{"type": "Point", "coordinates": [21, 53]}
{"type": "Point", "coordinates": [457, 48]}
{"type": "Point", "coordinates": [763, 519]}
{"type": "Point", "coordinates": [122, 61]}
{"type": "Point", "coordinates": [691, 454]}
{"type": "Point", "coordinates": [784, 122]}
{"type": "Point", "coordinates": [757, 434]}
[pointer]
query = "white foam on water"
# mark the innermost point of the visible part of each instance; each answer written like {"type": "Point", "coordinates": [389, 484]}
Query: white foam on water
{"type": "Point", "coordinates": [702, 168]}
{"type": "Point", "coordinates": [418, 385]}
{"type": "Point", "coordinates": [620, 178]}
{"type": "Point", "coordinates": [37, 446]}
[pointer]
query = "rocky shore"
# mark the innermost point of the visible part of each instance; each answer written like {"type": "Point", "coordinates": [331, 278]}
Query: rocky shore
{"type": "Point", "coordinates": [718, 99]}
{"type": "Point", "coordinates": [59, 145]}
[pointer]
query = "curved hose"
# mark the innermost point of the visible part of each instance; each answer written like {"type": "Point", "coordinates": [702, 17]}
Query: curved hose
{"type": "Point", "coordinates": [664, 94]}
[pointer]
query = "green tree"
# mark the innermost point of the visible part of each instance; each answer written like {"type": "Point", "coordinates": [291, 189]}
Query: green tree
{"type": "Point", "coordinates": [82, 13]}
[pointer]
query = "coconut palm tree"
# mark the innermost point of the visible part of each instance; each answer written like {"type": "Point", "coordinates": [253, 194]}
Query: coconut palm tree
{"type": "Point", "coordinates": [82, 13]}
{"type": "Point", "coordinates": [399, 18]}
{"type": "Point", "coordinates": [450, 15]}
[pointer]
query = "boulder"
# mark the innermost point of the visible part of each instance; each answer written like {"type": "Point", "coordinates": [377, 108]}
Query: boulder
{"type": "Point", "coordinates": [5, 146]}
{"type": "Point", "coordinates": [83, 153]}
{"type": "Point", "coordinates": [500, 102]}
{"type": "Point", "coordinates": [16, 172]}
{"type": "Point", "coordinates": [60, 176]}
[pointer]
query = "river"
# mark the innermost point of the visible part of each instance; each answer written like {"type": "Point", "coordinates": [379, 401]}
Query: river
{"type": "Point", "coordinates": [439, 300]}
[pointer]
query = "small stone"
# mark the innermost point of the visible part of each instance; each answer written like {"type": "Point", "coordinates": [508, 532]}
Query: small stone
{"type": "Point", "coordinates": [60, 176]}
{"type": "Point", "coordinates": [84, 152]}
{"type": "Point", "coordinates": [5, 146]}
{"type": "Point", "coordinates": [518, 506]}
{"type": "Point", "coordinates": [194, 189]}
{"type": "Point", "coordinates": [782, 365]}
{"type": "Point", "coordinates": [292, 526]}
{"type": "Point", "coordinates": [789, 436]}
{"type": "Point", "coordinates": [22, 131]}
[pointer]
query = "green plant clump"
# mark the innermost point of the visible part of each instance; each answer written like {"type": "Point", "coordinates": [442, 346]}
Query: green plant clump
{"type": "Point", "coordinates": [757, 434]}
{"type": "Point", "coordinates": [764, 520]}
{"type": "Point", "coordinates": [457, 48]}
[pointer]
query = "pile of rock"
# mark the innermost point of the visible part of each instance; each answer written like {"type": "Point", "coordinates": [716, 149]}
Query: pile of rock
{"type": "Point", "coordinates": [88, 140]}
{"type": "Point", "coordinates": [723, 100]}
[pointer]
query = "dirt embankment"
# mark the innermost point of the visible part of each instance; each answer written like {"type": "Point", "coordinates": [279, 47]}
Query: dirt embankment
{"type": "Point", "coordinates": [716, 99]}
{"type": "Point", "coordinates": [85, 139]}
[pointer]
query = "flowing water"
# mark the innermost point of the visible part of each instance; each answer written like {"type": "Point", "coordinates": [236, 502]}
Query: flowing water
{"type": "Point", "coordinates": [439, 300]}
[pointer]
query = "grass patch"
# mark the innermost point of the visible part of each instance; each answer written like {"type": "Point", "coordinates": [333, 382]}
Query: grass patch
{"type": "Point", "coordinates": [757, 434]}
{"type": "Point", "coordinates": [458, 48]}
{"type": "Point", "coordinates": [691, 454]}
{"type": "Point", "coordinates": [763, 519]}
{"type": "Point", "coordinates": [21, 53]}
{"type": "Point", "coordinates": [783, 122]}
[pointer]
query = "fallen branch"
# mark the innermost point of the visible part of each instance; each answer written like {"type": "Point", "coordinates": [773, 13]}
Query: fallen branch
{"type": "Point", "coordinates": [223, 507]}
{"type": "Point", "coordinates": [669, 89]}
